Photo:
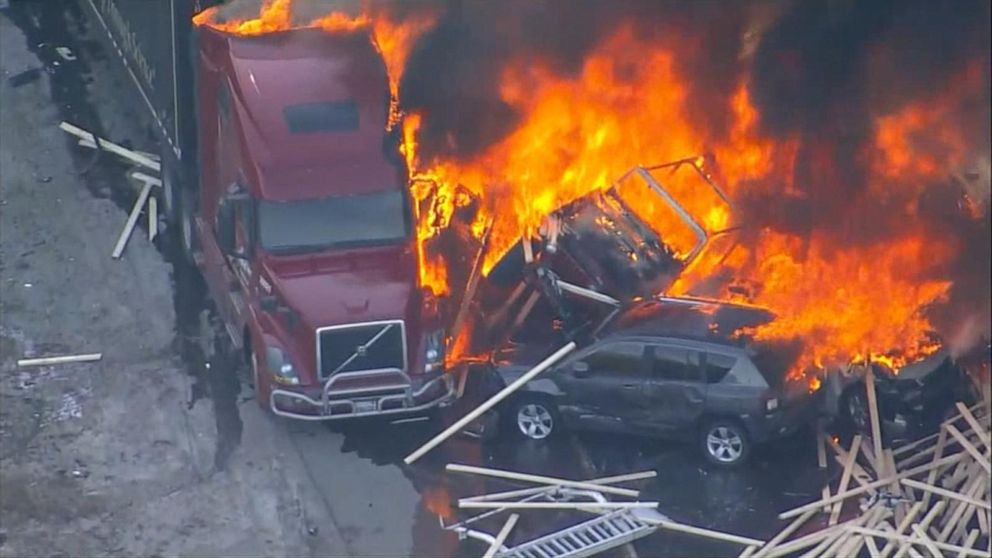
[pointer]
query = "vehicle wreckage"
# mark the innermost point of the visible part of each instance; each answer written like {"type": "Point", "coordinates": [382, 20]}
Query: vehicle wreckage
{"type": "Point", "coordinates": [596, 259]}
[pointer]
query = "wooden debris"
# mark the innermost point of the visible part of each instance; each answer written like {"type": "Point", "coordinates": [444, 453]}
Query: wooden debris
{"type": "Point", "coordinates": [112, 147]}
{"type": "Point", "coordinates": [529, 491]}
{"type": "Point", "coordinates": [540, 479]}
{"type": "Point", "coordinates": [152, 218]}
{"type": "Point", "coordinates": [501, 537]}
{"type": "Point", "coordinates": [132, 220]}
{"type": "Point", "coordinates": [708, 533]}
{"type": "Point", "coordinates": [46, 361]}
{"type": "Point", "coordinates": [933, 501]}
{"type": "Point", "coordinates": [590, 506]}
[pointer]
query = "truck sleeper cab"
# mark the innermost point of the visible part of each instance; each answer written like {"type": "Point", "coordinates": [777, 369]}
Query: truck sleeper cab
{"type": "Point", "coordinates": [303, 226]}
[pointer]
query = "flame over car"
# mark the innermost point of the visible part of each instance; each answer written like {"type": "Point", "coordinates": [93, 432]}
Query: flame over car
{"type": "Point", "coordinates": [852, 238]}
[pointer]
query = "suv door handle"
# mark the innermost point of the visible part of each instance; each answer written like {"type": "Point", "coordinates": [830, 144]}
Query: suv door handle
{"type": "Point", "coordinates": [630, 386]}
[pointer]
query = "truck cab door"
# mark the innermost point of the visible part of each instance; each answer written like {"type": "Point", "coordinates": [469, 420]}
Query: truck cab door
{"type": "Point", "coordinates": [233, 230]}
{"type": "Point", "coordinates": [676, 391]}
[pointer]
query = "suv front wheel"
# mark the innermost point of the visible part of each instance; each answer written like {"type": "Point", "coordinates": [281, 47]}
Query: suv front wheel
{"type": "Point", "coordinates": [532, 417]}
{"type": "Point", "coordinates": [724, 443]}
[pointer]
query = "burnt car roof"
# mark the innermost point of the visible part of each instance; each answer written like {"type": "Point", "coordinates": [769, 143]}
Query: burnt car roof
{"type": "Point", "coordinates": [686, 318]}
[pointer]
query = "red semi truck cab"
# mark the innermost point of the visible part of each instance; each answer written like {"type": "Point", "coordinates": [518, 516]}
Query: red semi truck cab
{"type": "Point", "coordinates": [304, 229]}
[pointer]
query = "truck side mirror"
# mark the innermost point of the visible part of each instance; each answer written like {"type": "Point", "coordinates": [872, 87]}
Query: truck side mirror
{"type": "Point", "coordinates": [269, 303]}
{"type": "Point", "coordinates": [225, 228]}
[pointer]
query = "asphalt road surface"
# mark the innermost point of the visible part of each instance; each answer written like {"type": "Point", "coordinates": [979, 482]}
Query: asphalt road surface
{"type": "Point", "coordinates": [158, 450]}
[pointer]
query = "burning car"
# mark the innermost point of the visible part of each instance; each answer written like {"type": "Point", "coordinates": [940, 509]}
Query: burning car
{"type": "Point", "coordinates": [603, 258]}
{"type": "Point", "coordinates": [665, 368]}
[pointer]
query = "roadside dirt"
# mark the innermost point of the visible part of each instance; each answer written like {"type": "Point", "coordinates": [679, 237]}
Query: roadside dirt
{"type": "Point", "coordinates": [121, 456]}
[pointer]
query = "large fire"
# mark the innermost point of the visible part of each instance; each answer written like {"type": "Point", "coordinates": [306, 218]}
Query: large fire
{"type": "Point", "coordinates": [628, 105]}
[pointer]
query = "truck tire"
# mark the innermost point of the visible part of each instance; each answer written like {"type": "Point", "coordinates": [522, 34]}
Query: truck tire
{"type": "Point", "coordinates": [258, 384]}
{"type": "Point", "coordinates": [180, 200]}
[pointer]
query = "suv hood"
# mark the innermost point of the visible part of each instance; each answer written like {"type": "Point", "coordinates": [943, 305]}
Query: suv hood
{"type": "Point", "coordinates": [343, 287]}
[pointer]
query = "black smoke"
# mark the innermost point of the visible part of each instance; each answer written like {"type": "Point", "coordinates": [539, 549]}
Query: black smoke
{"type": "Point", "coordinates": [452, 76]}
{"type": "Point", "coordinates": [825, 68]}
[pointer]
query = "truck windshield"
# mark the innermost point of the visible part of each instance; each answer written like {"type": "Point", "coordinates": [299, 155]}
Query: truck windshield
{"type": "Point", "coordinates": [376, 219]}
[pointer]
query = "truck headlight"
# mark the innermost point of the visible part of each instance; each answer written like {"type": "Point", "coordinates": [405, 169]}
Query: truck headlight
{"type": "Point", "coordinates": [434, 350]}
{"type": "Point", "coordinates": [280, 367]}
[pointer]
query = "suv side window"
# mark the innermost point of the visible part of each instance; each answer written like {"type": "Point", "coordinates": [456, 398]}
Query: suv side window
{"type": "Point", "coordinates": [674, 364]}
{"type": "Point", "coordinates": [716, 366]}
{"type": "Point", "coordinates": [623, 357]}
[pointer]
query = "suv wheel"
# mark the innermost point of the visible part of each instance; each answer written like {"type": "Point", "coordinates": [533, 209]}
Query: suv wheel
{"type": "Point", "coordinates": [725, 443]}
{"type": "Point", "coordinates": [534, 417]}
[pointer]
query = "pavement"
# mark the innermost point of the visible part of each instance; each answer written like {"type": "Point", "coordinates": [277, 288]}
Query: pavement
{"type": "Point", "coordinates": [157, 449]}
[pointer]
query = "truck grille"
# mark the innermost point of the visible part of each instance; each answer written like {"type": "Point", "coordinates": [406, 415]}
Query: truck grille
{"type": "Point", "coordinates": [369, 346]}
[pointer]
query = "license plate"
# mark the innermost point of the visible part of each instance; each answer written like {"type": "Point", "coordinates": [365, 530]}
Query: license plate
{"type": "Point", "coordinates": [364, 406]}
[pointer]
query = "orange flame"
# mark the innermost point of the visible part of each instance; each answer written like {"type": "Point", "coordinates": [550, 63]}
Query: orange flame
{"type": "Point", "coordinates": [629, 106]}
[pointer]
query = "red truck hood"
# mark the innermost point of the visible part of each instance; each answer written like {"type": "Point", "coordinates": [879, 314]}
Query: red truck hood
{"type": "Point", "coordinates": [331, 288]}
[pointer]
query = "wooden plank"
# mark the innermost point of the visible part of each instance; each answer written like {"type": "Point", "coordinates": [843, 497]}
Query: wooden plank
{"type": "Point", "coordinates": [540, 479]}
{"type": "Point", "coordinates": [152, 218]}
{"type": "Point", "coordinates": [525, 310]}
{"type": "Point", "coordinates": [529, 491]}
{"type": "Point", "coordinates": [969, 542]}
{"type": "Point", "coordinates": [528, 248]}
{"type": "Point", "coordinates": [590, 506]}
{"type": "Point", "coordinates": [973, 422]}
{"type": "Point", "coordinates": [950, 520]}
{"type": "Point", "coordinates": [490, 403]}
{"type": "Point", "coordinates": [946, 493]}
{"type": "Point", "coordinates": [979, 458]}
{"type": "Point", "coordinates": [932, 475]}
{"type": "Point", "coordinates": [708, 533]}
{"type": "Point", "coordinates": [875, 484]}
{"type": "Point", "coordinates": [501, 536]}
{"type": "Point", "coordinates": [132, 220]}
{"type": "Point", "coordinates": [845, 478]}
{"type": "Point", "coordinates": [111, 147]}
{"type": "Point", "coordinates": [901, 528]}
{"type": "Point", "coordinates": [821, 447]}
{"type": "Point", "coordinates": [876, 429]}
{"type": "Point", "coordinates": [784, 533]}
{"type": "Point", "coordinates": [834, 536]}
{"type": "Point", "coordinates": [65, 359]}
{"type": "Point", "coordinates": [861, 476]}
{"type": "Point", "coordinates": [927, 542]}
{"type": "Point", "coordinates": [805, 541]}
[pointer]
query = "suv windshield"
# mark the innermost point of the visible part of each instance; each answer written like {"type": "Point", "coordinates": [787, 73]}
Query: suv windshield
{"type": "Point", "coordinates": [376, 219]}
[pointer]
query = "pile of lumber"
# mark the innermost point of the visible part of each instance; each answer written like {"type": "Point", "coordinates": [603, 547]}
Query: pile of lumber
{"type": "Point", "coordinates": [925, 498]}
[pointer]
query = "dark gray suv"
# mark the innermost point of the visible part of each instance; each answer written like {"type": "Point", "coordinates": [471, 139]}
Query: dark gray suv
{"type": "Point", "coordinates": [673, 370]}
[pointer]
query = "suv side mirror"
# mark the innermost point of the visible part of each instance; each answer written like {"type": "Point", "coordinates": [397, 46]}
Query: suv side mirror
{"type": "Point", "coordinates": [580, 369]}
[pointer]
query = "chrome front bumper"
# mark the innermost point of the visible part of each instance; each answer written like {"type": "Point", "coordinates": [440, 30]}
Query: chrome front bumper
{"type": "Point", "coordinates": [394, 395]}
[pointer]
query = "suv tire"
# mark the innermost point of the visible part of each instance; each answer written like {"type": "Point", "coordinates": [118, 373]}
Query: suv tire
{"type": "Point", "coordinates": [533, 417]}
{"type": "Point", "coordinates": [724, 443]}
